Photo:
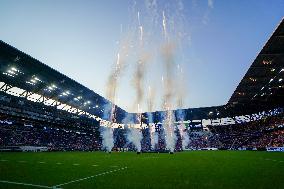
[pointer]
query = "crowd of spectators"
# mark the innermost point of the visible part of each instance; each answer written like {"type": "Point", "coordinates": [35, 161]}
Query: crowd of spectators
{"type": "Point", "coordinates": [13, 133]}
{"type": "Point", "coordinates": [268, 132]}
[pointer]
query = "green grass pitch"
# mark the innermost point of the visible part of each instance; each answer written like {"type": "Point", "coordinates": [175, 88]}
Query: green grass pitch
{"type": "Point", "coordinates": [193, 169]}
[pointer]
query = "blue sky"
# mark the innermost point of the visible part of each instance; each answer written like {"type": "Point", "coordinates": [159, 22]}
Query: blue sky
{"type": "Point", "coordinates": [81, 39]}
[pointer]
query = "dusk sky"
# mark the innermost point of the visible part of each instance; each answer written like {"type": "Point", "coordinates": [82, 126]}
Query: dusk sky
{"type": "Point", "coordinates": [218, 41]}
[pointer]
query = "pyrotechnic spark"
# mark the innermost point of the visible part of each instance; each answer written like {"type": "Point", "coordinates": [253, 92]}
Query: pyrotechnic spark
{"type": "Point", "coordinates": [164, 25]}
{"type": "Point", "coordinates": [138, 17]}
{"type": "Point", "coordinates": [141, 33]}
{"type": "Point", "coordinates": [117, 60]}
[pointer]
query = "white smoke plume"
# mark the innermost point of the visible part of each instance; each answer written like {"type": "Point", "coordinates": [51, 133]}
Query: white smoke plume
{"type": "Point", "coordinates": [107, 134]}
{"type": "Point", "coordinates": [181, 90]}
{"type": "Point", "coordinates": [168, 80]}
{"type": "Point", "coordinates": [168, 84]}
{"type": "Point", "coordinates": [150, 101]}
{"type": "Point", "coordinates": [116, 72]}
{"type": "Point", "coordinates": [111, 90]}
{"type": "Point", "coordinates": [184, 135]}
{"type": "Point", "coordinates": [170, 136]}
{"type": "Point", "coordinates": [154, 136]}
{"type": "Point", "coordinates": [139, 79]}
{"type": "Point", "coordinates": [135, 136]}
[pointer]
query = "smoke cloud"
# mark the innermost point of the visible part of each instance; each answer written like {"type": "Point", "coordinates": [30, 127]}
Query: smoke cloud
{"type": "Point", "coordinates": [139, 80]}
{"type": "Point", "coordinates": [135, 136]}
{"type": "Point", "coordinates": [107, 135]}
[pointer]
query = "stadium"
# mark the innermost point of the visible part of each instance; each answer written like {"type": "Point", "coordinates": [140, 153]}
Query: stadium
{"type": "Point", "coordinates": [58, 133]}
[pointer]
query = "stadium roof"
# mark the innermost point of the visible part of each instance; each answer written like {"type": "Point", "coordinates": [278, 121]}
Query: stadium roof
{"type": "Point", "coordinates": [23, 71]}
{"type": "Point", "coordinates": [263, 84]}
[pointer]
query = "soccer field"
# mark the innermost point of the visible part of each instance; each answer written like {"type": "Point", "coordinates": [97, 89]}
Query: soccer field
{"type": "Point", "coordinates": [194, 169]}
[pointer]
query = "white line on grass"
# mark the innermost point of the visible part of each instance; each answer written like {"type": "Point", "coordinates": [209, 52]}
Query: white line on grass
{"type": "Point", "coordinates": [94, 165]}
{"type": "Point", "coordinates": [85, 178]}
{"type": "Point", "coordinates": [151, 157]}
{"type": "Point", "coordinates": [113, 166]}
{"type": "Point", "coordinates": [25, 184]}
{"type": "Point", "coordinates": [3, 160]}
{"type": "Point", "coordinates": [41, 162]}
{"type": "Point", "coordinates": [274, 160]}
{"type": "Point", "coordinates": [76, 164]}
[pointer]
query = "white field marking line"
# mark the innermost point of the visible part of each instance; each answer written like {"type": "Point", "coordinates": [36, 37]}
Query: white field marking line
{"type": "Point", "coordinates": [22, 161]}
{"type": "Point", "coordinates": [58, 163]}
{"type": "Point", "coordinates": [94, 165]}
{"type": "Point", "coordinates": [3, 160]}
{"type": "Point", "coordinates": [113, 166]}
{"type": "Point", "coordinates": [41, 162]}
{"type": "Point", "coordinates": [25, 184]}
{"type": "Point", "coordinates": [274, 160]}
{"type": "Point", "coordinates": [76, 164]}
{"type": "Point", "coordinates": [85, 178]}
{"type": "Point", "coordinates": [151, 157]}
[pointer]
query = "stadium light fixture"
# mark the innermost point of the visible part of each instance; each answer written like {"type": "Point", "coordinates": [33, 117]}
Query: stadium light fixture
{"type": "Point", "coordinates": [12, 72]}
{"type": "Point", "coordinates": [77, 98]}
{"type": "Point", "coordinates": [87, 102]}
{"type": "Point", "coordinates": [252, 79]}
{"type": "Point", "coordinates": [51, 88]}
{"type": "Point", "coordinates": [31, 83]}
{"type": "Point", "coordinates": [37, 79]}
{"type": "Point", "coordinates": [5, 73]}
{"type": "Point", "coordinates": [15, 69]}
{"type": "Point", "coordinates": [66, 93]}
{"type": "Point", "coordinates": [280, 79]}
{"type": "Point", "coordinates": [267, 62]}
{"type": "Point", "coordinates": [34, 80]}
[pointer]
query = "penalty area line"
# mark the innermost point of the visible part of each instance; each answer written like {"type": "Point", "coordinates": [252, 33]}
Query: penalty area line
{"type": "Point", "coordinates": [89, 177]}
{"type": "Point", "coordinates": [25, 184]}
